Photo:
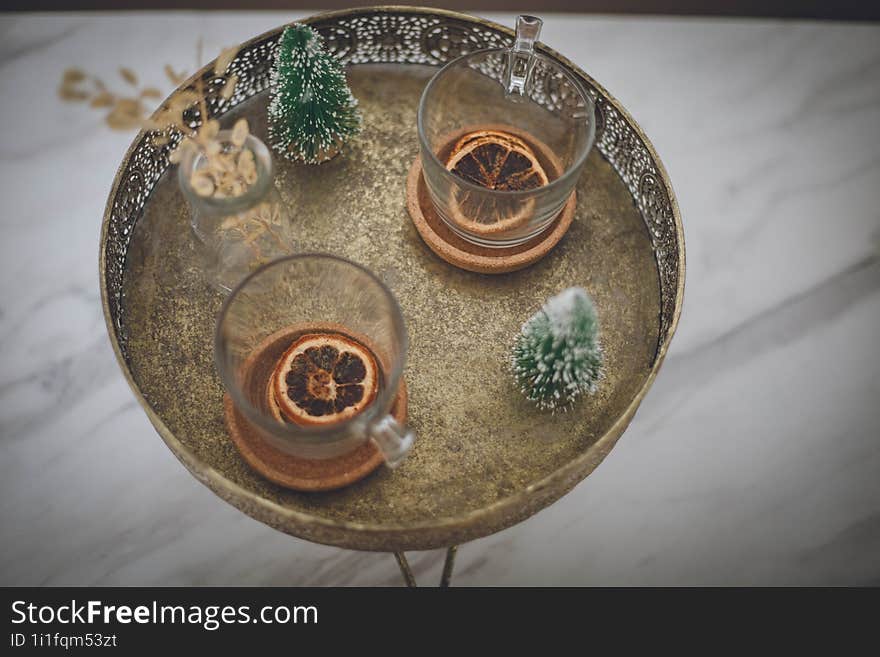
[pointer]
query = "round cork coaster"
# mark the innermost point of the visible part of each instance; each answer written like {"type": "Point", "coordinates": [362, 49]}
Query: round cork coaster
{"type": "Point", "coordinates": [306, 474]}
{"type": "Point", "coordinates": [472, 257]}
{"type": "Point", "coordinates": [291, 471]}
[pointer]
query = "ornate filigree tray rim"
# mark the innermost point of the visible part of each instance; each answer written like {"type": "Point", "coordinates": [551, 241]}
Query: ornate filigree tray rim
{"type": "Point", "coordinates": [439, 531]}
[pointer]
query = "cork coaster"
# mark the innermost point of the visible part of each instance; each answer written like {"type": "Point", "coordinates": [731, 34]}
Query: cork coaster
{"type": "Point", "coordinates": [472, 257]}
{"type": "Point", "coordinates": [306, 474]}
{"type": "Point", "coordinates": [291, 471]}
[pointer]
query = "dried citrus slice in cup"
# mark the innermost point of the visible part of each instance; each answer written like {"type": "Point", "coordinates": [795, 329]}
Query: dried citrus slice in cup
{"type": "Point", "coordinates": [499, 161]}
{"type": "Point", "coordinates": [325, 378]}
{"type": "Point", "coordinates": [496, 160]}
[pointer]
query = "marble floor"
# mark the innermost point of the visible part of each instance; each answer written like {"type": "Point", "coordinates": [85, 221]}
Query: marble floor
{"type": "Point", "coordinates": [755, 459]}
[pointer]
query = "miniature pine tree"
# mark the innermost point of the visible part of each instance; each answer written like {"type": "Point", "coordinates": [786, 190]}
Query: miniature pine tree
{"type": "Point", "coordinates": [557, 356]}
{"type": "Point", "coordinates": [312, 111]}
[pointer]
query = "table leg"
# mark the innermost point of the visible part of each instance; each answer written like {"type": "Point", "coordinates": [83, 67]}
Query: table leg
{"type": "Point", "coordinates": [448, 565]}
{"type": "Point", "coordinates": [405, 570]}
{"type": "Point", "coordinates": [410, 579]}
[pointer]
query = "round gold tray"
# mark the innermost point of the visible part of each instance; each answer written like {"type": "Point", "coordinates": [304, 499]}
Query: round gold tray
{"type": "Point", "coordinates": [484, 458]}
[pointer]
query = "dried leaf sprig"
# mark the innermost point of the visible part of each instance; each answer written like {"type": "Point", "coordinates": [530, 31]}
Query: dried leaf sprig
{"type": "Point", "coordinates": [126, 110]}
{"type": "Point", "coordinates": [250, 227]}
{"type": "Point", "coordinates": [129, 111]}
{"type": "Point", "coordinates": [227, 169]}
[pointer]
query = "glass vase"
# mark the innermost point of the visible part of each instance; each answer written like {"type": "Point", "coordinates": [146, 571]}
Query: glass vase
{"type": "Point", "coordinates": [237, 234]}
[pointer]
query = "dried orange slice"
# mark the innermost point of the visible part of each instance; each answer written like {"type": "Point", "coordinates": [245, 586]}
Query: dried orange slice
{"type": "Point", "coordinates": [496, 160]}
{"type": "Point", "coordinates": [499, 161]}
{"type": "Point", "coordinates": [325, 378]}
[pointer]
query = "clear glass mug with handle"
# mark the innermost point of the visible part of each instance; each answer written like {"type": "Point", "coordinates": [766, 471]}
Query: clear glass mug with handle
{"type": "Point", "coordinates": [543, 125]}
{"type": "Point", "coordinates": [294, 297]}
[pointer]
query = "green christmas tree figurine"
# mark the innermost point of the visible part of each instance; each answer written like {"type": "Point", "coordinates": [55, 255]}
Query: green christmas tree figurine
{"type": "Point", "coordinates": [557, 356]}
{"type": "Point", "coordinates": [312, 111]}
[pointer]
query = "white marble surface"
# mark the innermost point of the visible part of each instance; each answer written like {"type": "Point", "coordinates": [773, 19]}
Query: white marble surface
{"type": "Point", "coordinates": [755, 459]}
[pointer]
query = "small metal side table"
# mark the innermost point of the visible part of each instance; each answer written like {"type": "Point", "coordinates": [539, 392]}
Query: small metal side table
{"type": "Point", "coordinates": [484, 459]}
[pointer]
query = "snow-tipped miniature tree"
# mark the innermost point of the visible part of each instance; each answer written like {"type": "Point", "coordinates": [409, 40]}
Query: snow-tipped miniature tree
{"type": "Point", "coordinates": [312, 111]}
{"type": "Point", "coordinates": [557, 355]}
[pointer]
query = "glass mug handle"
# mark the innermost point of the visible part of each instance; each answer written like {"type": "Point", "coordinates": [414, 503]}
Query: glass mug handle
{"type": "Point", "coordinates": [521, 56]}
{"type": "Point", "coordinates": [392, 438]}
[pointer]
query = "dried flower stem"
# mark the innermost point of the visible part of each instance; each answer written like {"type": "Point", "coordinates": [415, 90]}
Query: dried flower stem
{"type": "Point", "coordinates": [227, 171]}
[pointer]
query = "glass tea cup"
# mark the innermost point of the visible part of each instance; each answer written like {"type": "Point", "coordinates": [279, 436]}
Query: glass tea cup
{"type": "Point", "coordinates": [529, 100]}
{"type": "Point", "coordinates": [306, 294]}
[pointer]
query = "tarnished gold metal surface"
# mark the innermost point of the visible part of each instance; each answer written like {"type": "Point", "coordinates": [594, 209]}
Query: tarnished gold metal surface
{"type": "Point", "coordinates": [484, 458]}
